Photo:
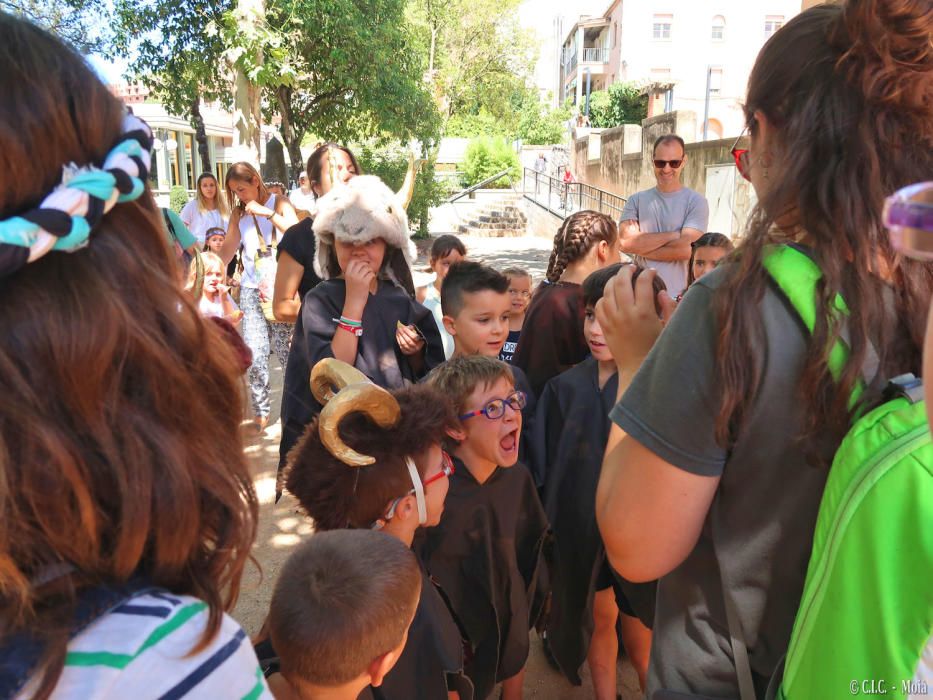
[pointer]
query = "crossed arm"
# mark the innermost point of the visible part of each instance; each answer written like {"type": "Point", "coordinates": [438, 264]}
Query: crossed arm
{"type": "Point", "coordinates": [668, 246]}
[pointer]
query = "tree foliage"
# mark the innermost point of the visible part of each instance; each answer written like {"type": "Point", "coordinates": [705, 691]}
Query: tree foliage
{"type": "Point", "coordinates": [486, 156]}
{"type": "Point", "coordinates": [78, 22]}
{"type": "Point", "coordinates": [620, 104]}
{"type": "Point", "coordinates": [542, 125]}
{"type": "Point", "coordinates": [478, 57]}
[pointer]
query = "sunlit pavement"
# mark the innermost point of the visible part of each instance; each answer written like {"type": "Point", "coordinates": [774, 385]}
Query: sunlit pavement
{"type": "Point", "coordinates": [282, 526]}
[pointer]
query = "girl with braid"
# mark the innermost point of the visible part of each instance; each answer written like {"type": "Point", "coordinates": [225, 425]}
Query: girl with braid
{"type": "Point", "coordinates": [552, 339]}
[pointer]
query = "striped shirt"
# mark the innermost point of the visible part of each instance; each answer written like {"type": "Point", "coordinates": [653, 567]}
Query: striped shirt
{"type": "Point", "coordinates": [139, 650]}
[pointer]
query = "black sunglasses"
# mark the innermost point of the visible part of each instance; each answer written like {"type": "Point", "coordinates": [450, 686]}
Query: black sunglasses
{"type": "Point", "coordinates": [661, 164]}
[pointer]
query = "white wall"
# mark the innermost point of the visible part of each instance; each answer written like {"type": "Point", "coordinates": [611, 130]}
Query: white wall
{"type": "Point", "coordinates": [691, 49]}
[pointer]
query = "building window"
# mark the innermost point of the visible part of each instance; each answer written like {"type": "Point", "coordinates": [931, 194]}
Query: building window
{"type": "Point", "coordinates": [772, 24]}
{"type": "Point", "coordinates": [662, 27]}
{"type": "Point", "coordinates": [719, 28]}
{"type": "Point", "coordinates": [715, 81]}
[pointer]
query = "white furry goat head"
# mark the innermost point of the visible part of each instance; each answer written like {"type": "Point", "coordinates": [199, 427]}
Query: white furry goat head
{"type": "Point", "coordinates": [358, 211]}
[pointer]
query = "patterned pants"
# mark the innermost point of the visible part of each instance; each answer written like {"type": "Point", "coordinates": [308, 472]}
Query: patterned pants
{"type": "Point", "coordinates": [262, 337]}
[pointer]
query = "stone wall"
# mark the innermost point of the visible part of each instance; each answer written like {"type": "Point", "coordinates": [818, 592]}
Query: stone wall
{"type": "Point", "coordinates": [624, 166]}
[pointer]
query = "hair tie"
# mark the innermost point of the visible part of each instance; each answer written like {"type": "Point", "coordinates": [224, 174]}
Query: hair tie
{"type": "Point", "coordinates": [67, 215]}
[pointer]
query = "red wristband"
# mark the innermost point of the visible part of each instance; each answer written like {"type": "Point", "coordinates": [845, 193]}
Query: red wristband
{"type": "Point", "coordinates": [355, 330]}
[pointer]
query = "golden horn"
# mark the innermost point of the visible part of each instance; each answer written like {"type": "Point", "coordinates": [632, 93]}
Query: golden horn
{"type": "Point", "coordinates": [374, 401]}
{"type": "Point", "coordinates": [330, 376]}
{"type": "Point", "coordinates": [408, 186]}
{"type": "Point", "coordinates": [344, 389]}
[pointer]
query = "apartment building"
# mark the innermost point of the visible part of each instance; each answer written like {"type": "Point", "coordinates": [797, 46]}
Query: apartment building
{"type": "Point", "coordinates": [685, 54]}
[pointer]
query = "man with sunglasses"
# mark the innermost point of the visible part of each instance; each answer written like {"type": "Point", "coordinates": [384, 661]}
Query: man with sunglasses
{"type": "Point", "coordinates": [659, 225]}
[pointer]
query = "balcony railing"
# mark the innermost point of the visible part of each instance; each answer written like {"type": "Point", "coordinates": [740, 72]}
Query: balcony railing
{"type": "Point", "coordinates": [570, 65]}
{"type": "Point", "coordinates": [595, 55]}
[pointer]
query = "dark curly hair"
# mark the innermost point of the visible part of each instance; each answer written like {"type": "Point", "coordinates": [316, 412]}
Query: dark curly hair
{"type": "Point", "coordinates": [336, 495]}
{"type": "Point", "coordinates": [576, 236]}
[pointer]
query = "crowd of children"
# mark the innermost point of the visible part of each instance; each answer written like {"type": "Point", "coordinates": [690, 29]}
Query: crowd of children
{"type": "Point", "coordinates": [624, 471]}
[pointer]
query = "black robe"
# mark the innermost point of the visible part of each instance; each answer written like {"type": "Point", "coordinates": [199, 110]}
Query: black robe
{"type": "Point", "coordinates": [378, 356]}
{"type": "Point", "coordinates": [571, 430]}
{"type": "Point", "coordinates": [487, 556]}
{"type": "Point", "coordinates": [432, 662]}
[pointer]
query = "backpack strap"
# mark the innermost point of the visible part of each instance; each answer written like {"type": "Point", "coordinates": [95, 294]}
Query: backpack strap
{"type": "Point", "coordinates": [796, 275]}
{"type": "Point", "coordinates": [20, 653]}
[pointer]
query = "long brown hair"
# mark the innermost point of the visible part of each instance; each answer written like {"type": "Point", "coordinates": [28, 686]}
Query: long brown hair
{"type": "Point", "coordinates": [219, 199]}
{"type": "Point", "coordinates": [105, 387]}
{"type": "Point", "coordinates": [849, 91]}
{"type": "Point", "coordinates": [576, 236]}
{"type": "Point", "coordinates": [244, 172]}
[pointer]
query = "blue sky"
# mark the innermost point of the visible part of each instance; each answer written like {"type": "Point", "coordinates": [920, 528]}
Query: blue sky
{"type": "Point", "coordinates": [111, 71]}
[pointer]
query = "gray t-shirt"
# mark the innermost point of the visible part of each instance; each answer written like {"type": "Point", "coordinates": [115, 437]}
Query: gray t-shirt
{"type": "Point", "coordinates": [659, 212]}
{"type": "Point", "coordinates": [759, 530]}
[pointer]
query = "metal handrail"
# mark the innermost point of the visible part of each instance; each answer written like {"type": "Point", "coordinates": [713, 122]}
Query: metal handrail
{"type": "Point", "coordinates": [564, 198]}
{"type": "Point", "coordinates": [480, 185]}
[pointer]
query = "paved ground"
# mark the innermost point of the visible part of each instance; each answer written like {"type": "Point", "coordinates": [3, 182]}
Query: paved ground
{"type": "Point", "coordinates": [282, 526]}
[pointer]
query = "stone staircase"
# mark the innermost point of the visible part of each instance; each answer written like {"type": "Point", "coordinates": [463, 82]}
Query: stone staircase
{"type": "Point", "coordinates": [500, 218]}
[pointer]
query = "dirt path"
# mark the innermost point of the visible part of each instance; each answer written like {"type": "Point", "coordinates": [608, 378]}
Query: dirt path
{"type": "Point", "coordinates": [282, 526]}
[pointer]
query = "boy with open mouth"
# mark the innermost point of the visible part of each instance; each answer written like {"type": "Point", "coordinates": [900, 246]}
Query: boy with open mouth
{"type": "Point", "coordinates": [486, 552]}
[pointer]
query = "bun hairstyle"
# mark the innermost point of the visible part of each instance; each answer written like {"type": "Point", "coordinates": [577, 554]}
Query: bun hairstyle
{"type": "Point", "coordinates": [848, 89]}
{"type": "Point", "coordinates": [104, 384]}
{"type": "Point", "coordinates": [336, 495]}
{"type": "Point", "coordinates": [576, 236]}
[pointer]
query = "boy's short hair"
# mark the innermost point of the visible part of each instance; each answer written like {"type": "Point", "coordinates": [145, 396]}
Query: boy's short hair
{"type": "Point", "coordinates": [343, 599]}
{"type": "Point", "coordinates": [511, 272]}
{"type": "Point", "coordinates": [445, 245]}
{"type": "Point", "coordinates": [595, 284]}
{"type": "Point", "coordinates": [468, 277]}
{"type": "Point", "coordinates": [459, 376]}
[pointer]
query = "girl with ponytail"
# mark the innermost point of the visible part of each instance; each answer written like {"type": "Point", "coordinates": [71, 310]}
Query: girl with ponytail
{"type": "Point", "coordinates": [716, 468]}
{"type": "Point", "coordinates": [552, 340]}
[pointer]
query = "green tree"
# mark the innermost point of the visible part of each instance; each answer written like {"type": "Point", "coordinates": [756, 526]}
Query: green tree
{"type": "Point", "coordinates": [344, 68]}
{"type": "Point", "coordinates": [478, 58]}
{"type": "Point", "coordinates": [177, 56]}
{"type": "Point", "coordinates": [620, 104]}
{"type": "Point", "coordinates": [542, 125]}
{"type": "Point", "coordinates": [486, 156]}
{"type": "Point", "coordinates": [76, 21]}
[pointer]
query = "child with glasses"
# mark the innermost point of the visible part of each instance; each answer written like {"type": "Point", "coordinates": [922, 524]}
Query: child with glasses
{"type": "Point", "coordinates": [341, 614]}
{"type": "Point", "coordinates": [519, 297]}
{"type": "Point", "coordinates": [373, 460]}
{"type": "Point", "coordinates": [486, 552]}
{"type": "Point", "coordinates": [571, 430]}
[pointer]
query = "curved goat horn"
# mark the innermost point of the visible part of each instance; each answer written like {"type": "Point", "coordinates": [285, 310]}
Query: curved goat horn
{"type": "Point", "coordinates": [355, 393]}
{"type": "Point", "coordinates": [408, 186]}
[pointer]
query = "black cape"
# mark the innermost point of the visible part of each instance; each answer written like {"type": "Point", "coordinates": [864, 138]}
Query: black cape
{"type": "Point", "coordinates": [487, 556]}
{"type": "Point", "coordinates": [571, 431]}
{"type": "Point", "coordinates": [432, 662]}
{"type": "Point", "coordinates": [378, 357]}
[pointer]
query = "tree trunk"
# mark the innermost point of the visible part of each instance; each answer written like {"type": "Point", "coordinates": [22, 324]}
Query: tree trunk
{"type": "Point", "coordinates": [247, 116]}
{"type": "Point", "coordinates": [200, 135]}
{"type": "Point", "coordinates": [291, 135]}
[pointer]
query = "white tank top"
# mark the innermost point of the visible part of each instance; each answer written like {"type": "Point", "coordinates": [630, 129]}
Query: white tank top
{"type": "Point", "coordinates": [249, 239]}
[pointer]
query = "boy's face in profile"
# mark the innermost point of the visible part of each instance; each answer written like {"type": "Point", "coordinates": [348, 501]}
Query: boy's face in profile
{"type": "Point", "coordinates": [594, 337]}
{"type": "Point", "coordinates": [442, 265]}
{"type": "Point", "coordinates": [495, 440]}
{"type": "Point", "coordinates": [482, 326]}
{"type": "Point", "coordinates": [519, 294]}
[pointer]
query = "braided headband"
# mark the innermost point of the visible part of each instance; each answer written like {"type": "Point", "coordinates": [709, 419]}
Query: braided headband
{"type": "Point", "coordinates": [65, 218]}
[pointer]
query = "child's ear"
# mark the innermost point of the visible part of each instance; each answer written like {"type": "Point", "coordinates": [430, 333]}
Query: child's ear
{"type": "Point", "coordinates": [450, 324]}
{"type": "Point", "coordinates": [381, 665]}
{"type": "Point", "coordinates": [602, 250]}
{"type": "Point", "coordinates": [458, 434]}
{"type": "Point", "coordinates": [407, 508]}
